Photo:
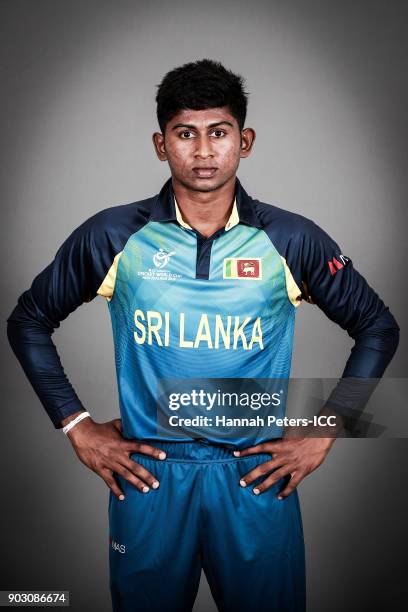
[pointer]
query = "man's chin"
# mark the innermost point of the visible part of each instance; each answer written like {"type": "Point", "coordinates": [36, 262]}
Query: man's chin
{"type": "Point", "coordinates": [203, 185]}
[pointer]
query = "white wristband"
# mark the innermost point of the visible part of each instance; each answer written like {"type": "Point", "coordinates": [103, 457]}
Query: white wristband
{"type": "Point", "coordinates": [71, 424]}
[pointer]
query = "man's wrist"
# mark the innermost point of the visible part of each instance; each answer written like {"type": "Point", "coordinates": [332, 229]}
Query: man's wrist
{"type": "Point", "coordinates": [77, 430]}
{"type": "Point", "coordinates": [71, 417]}
{"type": "Point", "coordinates": [327, 443]}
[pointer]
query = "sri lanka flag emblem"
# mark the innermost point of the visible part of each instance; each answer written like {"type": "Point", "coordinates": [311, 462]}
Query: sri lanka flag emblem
{"type": "Point", "coordinates": [249, 269]}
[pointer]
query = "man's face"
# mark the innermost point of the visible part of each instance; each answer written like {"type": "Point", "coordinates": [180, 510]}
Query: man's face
{"type": "Point", "coordinates": [203, 147]}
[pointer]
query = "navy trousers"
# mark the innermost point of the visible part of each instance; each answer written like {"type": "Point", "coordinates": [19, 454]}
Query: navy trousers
{"type": "Point", "coordinates": [249, 546]}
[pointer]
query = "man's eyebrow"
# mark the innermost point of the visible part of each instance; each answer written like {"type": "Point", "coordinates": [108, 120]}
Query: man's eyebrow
{"type": "Point", "coordinates": [194, 127]}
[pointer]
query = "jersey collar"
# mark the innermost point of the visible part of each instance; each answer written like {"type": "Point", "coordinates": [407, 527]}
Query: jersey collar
{"type": "Point", "coordinates": [165, 208]}
{"type": "Point", "coordinates": [233, 219]}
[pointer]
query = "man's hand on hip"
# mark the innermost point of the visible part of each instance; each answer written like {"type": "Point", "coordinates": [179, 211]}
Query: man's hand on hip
{"type": "Point", "coordinates": [102, 448]}
{"type": "Point", "coordinates": [297, 457]}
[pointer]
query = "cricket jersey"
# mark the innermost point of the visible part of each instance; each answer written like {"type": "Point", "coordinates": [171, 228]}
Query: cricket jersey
{"type": "Point", "coordinates": [188, 307]}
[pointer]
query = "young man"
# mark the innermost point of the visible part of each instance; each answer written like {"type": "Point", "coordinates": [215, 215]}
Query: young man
{"type": "Point", "coordinates": [202, 284]}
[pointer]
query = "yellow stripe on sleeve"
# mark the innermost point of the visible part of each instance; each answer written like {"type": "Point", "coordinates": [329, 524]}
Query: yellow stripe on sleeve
{"type": "Point", "coordinates": [294, 293]}
{"type": "Point", "coordinates": [108, 284]}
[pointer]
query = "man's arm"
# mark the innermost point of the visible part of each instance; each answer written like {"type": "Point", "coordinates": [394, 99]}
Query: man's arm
{"type": "Point", "coordinates": [329, 279]}
{"type": "Point", "coordinates": [66, 283]}
{"type": "Point", "coordinates": [81, 269]}
{"type": "Point", "coordinates": [343, 294]}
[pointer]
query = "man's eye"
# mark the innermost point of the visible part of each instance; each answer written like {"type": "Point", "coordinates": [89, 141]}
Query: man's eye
{"type": "Point", "coordinates": [186, 134]}
{"type": "Point", "coordinates": [218, 133]}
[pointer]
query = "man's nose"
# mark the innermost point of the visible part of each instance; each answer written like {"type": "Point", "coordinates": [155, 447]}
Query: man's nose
{"type": "Point", "coordinates": [203, 148]}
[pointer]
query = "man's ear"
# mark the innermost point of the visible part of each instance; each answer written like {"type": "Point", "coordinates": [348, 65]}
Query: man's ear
{"type": "Point", "coordinates": [158, 142]}
{"type": "Point", "coordinates": [248, 136]}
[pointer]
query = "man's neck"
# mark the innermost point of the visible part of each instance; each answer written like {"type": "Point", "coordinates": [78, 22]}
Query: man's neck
{"type": "Point", "coordinates": [205, 211]}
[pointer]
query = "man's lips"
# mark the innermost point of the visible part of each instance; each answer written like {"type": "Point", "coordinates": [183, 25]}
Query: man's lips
{"type": "Point", "coordinates": [204, 172]}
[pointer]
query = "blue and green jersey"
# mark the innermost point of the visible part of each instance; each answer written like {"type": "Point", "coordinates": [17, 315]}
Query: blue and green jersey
{"type": "Point", "coordinates": [185, 306]}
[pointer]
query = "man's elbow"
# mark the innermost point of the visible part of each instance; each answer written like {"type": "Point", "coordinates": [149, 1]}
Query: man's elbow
{"type": "Point", "coordinates": [17, 324]}
{"type": "Point", "coordinates": [382, 334]}
{"type": "Point", "coordinates": [25, 325]}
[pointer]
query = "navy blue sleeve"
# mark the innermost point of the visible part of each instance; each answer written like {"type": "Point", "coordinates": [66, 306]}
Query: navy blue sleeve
{"type": "Point", "coordinates": [326, 277]}
{"type": "Point", "coordinates": [330, 281]}
{"type": "Point", "coordinates": [71, 279]}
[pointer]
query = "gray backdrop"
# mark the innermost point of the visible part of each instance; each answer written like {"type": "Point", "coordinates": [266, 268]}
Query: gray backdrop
{"type": "Point", "coordinates": [328, 100]}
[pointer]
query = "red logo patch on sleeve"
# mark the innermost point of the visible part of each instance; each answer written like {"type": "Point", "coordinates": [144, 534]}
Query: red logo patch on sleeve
{"type": "Point", "coordinates": [335, 265]}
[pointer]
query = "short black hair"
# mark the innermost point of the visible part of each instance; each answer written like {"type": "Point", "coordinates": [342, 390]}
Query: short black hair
{"type": "Point", "coordinates": [200, 85]}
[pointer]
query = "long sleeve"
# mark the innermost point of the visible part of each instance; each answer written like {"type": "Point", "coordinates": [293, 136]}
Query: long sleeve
{"type": "Point", "coordinates": [56, 292]}
{"type": "Point", "coordinates": [342, 293]}
{"type": "Point", "coordinates": [82, 266]}
{"type": "Point", "coordinates": [332, 282]}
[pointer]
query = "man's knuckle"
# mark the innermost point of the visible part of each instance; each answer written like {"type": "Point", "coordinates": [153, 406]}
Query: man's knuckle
{"type": "Point", "coordinates": [138, 468]}
{"type": "Point", "coordinates": [256, 473]}
{"type": "Point", "coordinates": [110, 482]}
{"type": "Point", "coordinates": [140, 471]}
{"type": "Point", "coordinates": [133, 479]}
{"type": "Point", "coordinates": [264, 468]}
{"type": "Point", "coordinates": [97, 465]}
{"type": "Point", "coordinates": [130, 465]}
{"type": "Point", "coordinates": [145, 449]}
